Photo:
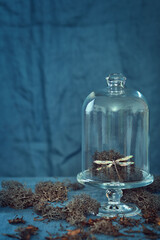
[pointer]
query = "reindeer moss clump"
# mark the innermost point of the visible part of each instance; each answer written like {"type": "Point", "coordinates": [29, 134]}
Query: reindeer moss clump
{"type": "Point", "coordinates": [16, 195]}
{"type": "Point", "coordinates": [75, 186]}
{"type": "Point", "coordinates": [49, 212]}
{"type": "Point", "coordinates": [155, 186]}
{"type": "Point", "coordinates": [52, 192]}
{"type": "Point", "coordinates": [74, 212]}
{"type": "Point", "coordinates": [148, 203]}
{"type": "Point", "coordinates": [81, 206]}
{"type": "Point", "coordinates": [105, 227]}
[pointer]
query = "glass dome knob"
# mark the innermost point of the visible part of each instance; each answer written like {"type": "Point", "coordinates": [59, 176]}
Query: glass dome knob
{"type": "Point", "coordinates": [116, 79]}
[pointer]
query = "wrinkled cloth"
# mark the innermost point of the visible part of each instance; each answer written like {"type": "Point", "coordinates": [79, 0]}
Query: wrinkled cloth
{"type": "Point", "coordinates": [52, 55]}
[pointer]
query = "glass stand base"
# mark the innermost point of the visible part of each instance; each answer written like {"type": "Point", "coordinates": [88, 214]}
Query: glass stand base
{"type": "Point", "coordinates": [113, 205]}
{"type": "Point", "coordinates": [112, 210]}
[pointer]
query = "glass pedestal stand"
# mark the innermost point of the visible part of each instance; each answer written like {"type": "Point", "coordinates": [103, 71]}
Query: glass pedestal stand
{"type": "Point", "coordinates": [114, 206]}
{"type": "Point", "coordinates": [114, 193]}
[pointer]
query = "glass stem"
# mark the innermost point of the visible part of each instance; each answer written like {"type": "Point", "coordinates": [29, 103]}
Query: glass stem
{"type": "Point", "coordinates": [114, 197]}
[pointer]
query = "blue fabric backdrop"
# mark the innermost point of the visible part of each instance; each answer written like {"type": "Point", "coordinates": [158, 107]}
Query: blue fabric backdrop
{"type": "Point", "coordinates": [52, 54]}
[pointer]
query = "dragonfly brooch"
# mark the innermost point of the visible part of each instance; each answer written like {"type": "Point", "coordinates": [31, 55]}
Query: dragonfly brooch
{"type": "Point", "coordinates": [121, 162]}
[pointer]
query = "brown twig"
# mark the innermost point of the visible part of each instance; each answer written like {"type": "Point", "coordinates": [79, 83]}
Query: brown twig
{"type": "Point", "coordinates": [116, 170]}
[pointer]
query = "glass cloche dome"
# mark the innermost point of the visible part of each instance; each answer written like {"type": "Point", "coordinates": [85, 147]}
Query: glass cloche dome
{"type": "Point", "coordinates": [115, 125]}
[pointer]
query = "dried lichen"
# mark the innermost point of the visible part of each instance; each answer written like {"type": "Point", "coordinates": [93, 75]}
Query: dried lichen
{"type": "Point", "coordinates": [53, 192]}
{"type": "Point", "coordinates": [107, 155]}
{"type": "Point", "coordinates": [142, 198]}
{"type": "Point", "coordinates": [80, 207]}
{"type": "Point", "coordinates": [155, 186]}
{"type": "Point", "coordinates": [11, 184]}
{"type": "Point", "coordinates": [75, 186]}
{"type": "Point", "coordinates": [16, 195]}
{"type": "Point", "coordinates": [74, 212]}
{"type": "Point", "coordinates": [49, 212]}
{"type": "Point", "coordinates": [105, 226]}
{"type": "Point", "coordinates": [148, 203]}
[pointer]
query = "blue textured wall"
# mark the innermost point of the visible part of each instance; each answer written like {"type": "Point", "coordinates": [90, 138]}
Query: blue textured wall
{"type": "Point", "coordinates": [52, 54]}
